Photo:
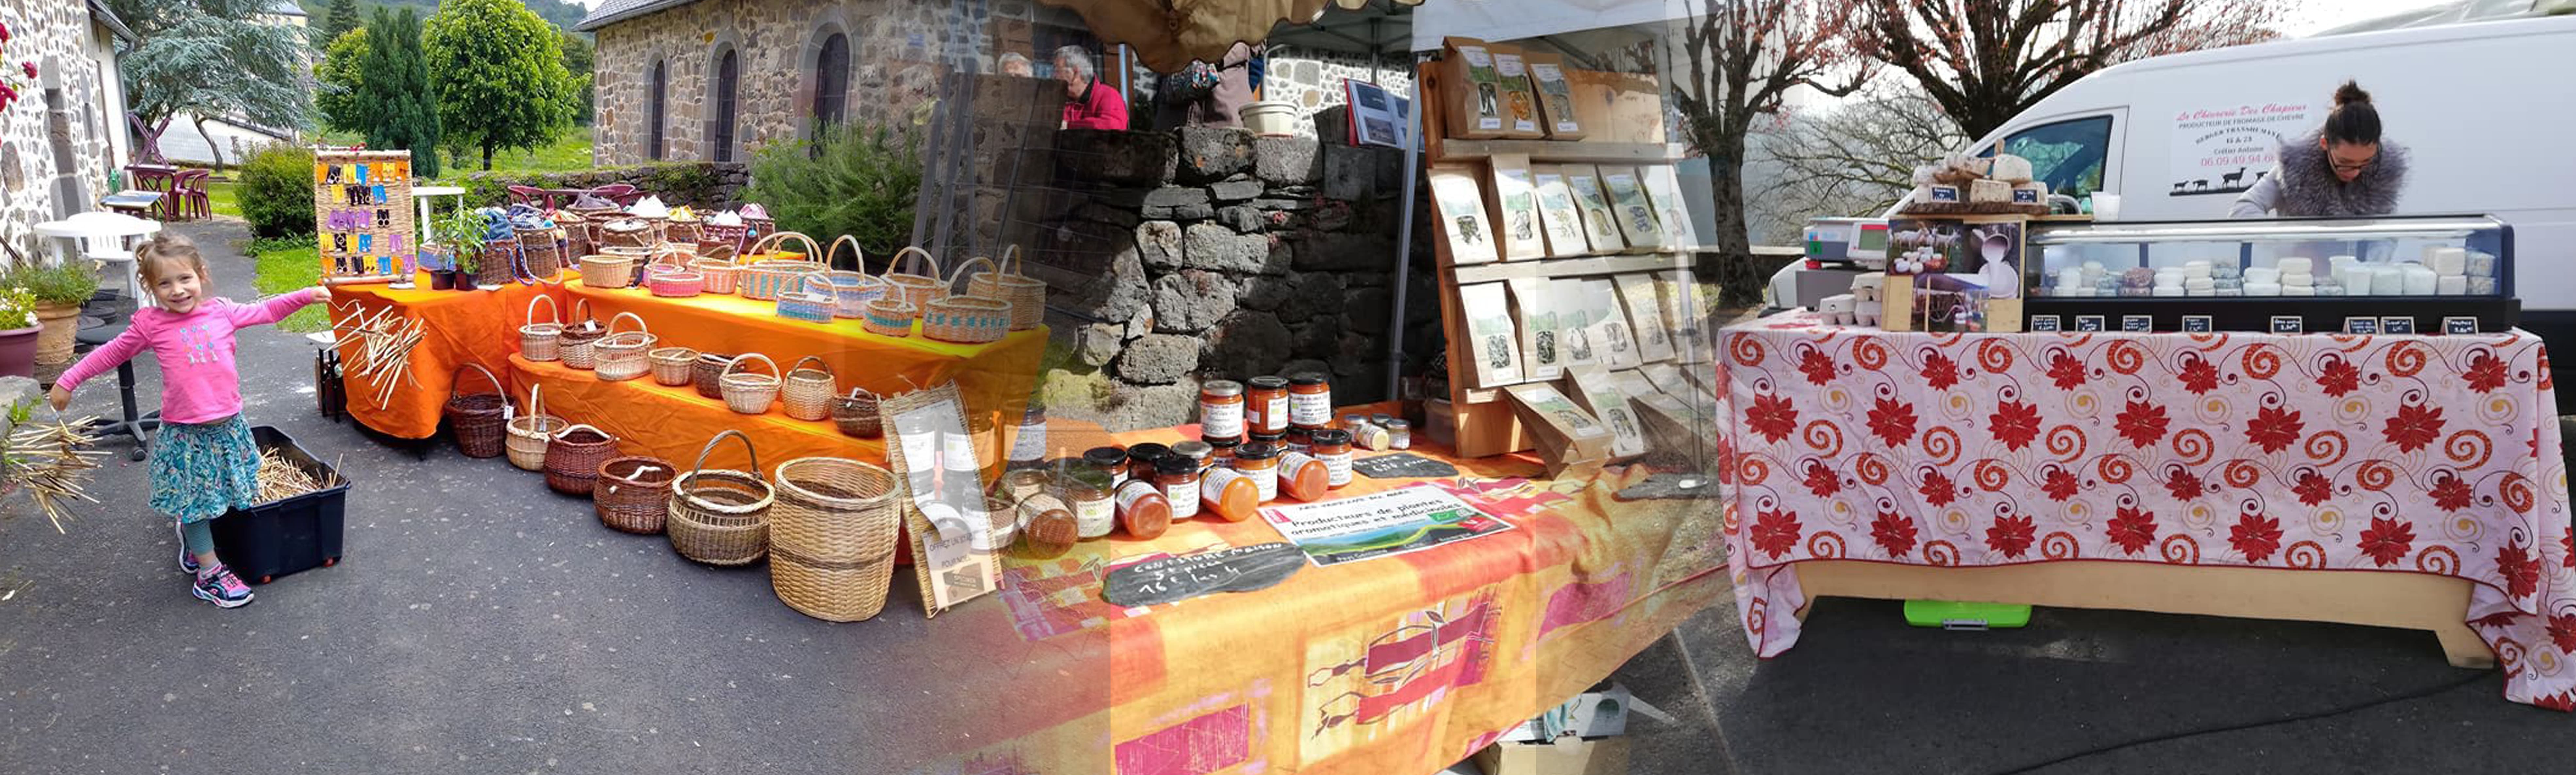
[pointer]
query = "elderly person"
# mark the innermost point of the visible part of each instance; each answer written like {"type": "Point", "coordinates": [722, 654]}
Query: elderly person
{"type": "Point", "coordinates": [1016, 66]}
{"type": "Point", "coordinates": [1091, 104]}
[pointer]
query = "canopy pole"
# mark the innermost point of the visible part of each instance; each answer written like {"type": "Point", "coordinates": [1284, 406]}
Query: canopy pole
{"type": "Point", "coordinates": [1404, 238]}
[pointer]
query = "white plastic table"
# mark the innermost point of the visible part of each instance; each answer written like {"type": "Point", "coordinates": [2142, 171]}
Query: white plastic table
{"type": "Point", "coordinates": [79, 231]}
{"type": "Point", "coordinates": [422, 195]}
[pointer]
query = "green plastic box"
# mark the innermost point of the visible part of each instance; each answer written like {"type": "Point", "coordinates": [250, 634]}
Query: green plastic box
{"type": "Point", "coordinates": [1954, 615]}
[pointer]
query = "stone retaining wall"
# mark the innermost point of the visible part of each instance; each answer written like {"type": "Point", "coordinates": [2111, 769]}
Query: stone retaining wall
{"type": "Point", "coordinates": [701, 185]}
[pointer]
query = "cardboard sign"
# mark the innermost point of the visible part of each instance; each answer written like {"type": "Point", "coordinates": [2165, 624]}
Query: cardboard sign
{"type": "Point", "coordinates": [1645, 317]}
{"type": "Point", "coordinates": [1520, 99]}
{"type": "Point", "coordinates": [1473, 89]}
{"type": "Point", "coordinates": [1635, 213]}
{"type": "Point", "coordinates": [1534, 313]}
{"type": "Point", "coordinates": [1664, 188]}
{"type": "Point", "coordinates": [1555, 96]}
{"type": "Point", "coordinates": [1562, 222]}
{"type": "Point", "coordinates": [1467, 232]}
{"type": "Point", "coordinates": [1593, 203]}
{"type": "Point", "coordinates": [1569, 440]}
{"type": "Point", "coordinates": [1596, 392]}
{"type": "Point", "coordinates": [1490, 338]}
{"type": "Point", "coordinates": [1513, 195]}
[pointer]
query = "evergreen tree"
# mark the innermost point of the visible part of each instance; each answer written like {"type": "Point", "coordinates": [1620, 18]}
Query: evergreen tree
{"type": "Point", "coordinates": [336, 83]}
{"type": "Point", "coordinates": [393, 90]}
{"type": "Point", "coordinates": [338, 21]}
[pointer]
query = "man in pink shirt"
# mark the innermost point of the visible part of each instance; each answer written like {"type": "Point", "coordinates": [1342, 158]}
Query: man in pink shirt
{"type": "Point", "coordinates": [1092, 104]}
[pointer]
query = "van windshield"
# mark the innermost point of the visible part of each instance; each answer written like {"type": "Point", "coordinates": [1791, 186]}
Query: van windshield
{"type": "Point", "coordinates": [2066, 155]}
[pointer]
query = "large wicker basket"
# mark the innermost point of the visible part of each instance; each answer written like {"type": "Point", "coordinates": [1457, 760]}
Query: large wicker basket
{"type": "Point", "coordinates": [1026, 294]}
{"type": "Point", "coordinates": [542, 341]}
{"type": "Point", "coordinates": [721, 516]}
{"type": "Point", "coordinates": [622, 354]}
{"type": "Point", "coordinates": [607, 270]}
{"type": "Point", "coordinates": [832, 538]}
{"type": "Point", "coordinates": [672, 365]}
{"type": "Point", "coordinates": [580, 335]}
{"type": "Point", "coordinates": [750, 393]}
{"type": "Point", "coordinates": [499, 264]}
{"type": "Point", "coordinates": [476, 417]}
{"type": "Point", "coordinates": [621, 233]}
{"type": "Point", "coordinates": [807, 393]}
{"type": "Point", "coordinates": [767, 249]}
{"type": "Point", "coordinates": [914, 289]}
{"type": "Point", "coordinates": [767, 280]}
{"type": "Point", "coordinates": [531, 433]}
{"type": "Point", "coordinates": [541, 251]}
{"type": "Point", "coordinates": [573, 458]}
{"type": "Point", "coordinates": [633, 494]}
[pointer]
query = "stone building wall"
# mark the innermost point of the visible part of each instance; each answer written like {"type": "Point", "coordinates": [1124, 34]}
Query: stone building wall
{"type": "Point", "coordinates": [1208, 254]}
{"type": "Point", "coordinates": [56, 140]}
{"type": "Point", "coordinates": [1312, 79]}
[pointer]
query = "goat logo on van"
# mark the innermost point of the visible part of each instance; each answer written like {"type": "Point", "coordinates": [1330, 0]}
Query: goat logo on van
{"type": "Point", "coordinates": [2223, 151]}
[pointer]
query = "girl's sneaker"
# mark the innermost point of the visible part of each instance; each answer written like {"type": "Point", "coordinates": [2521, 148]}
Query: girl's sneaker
{"type": "Point", "coordinates": [187, 559]}
{"type": "Point", "coordinates": [219, 586]}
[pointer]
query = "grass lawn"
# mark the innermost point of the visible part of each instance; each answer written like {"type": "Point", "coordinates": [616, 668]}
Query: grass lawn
{"type": "Point", "coordinates": [569, 151]}
{"type": "Point", "coordinates": [285, 265]}
{"type": "Point", "coordinates": [221, 197]}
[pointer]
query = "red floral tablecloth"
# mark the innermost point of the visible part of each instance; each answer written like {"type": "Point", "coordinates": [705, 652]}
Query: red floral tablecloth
{"type": "Point", "coordinates": [2421, 454]}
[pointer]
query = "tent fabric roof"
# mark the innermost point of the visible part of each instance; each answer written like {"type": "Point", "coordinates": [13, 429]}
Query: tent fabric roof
{"type": "Point", "coordinates": [1502, 20]}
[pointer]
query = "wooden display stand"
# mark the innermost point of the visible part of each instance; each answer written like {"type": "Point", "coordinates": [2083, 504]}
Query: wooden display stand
{"type": "Point", "coordinates": [2412, 601]}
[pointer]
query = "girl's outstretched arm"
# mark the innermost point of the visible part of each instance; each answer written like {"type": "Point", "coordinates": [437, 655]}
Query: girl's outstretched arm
{"type": "Point", "coordinates": [126, 345]}
{"type": "Point", "coordinates": [276, 308]}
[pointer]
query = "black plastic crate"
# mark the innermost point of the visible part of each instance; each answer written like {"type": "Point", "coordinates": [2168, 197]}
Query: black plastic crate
{"type": "Point", "coordinates": [296, 534]}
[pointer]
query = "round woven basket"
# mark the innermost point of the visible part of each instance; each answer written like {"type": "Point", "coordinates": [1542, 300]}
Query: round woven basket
{"type": "Point", "coordinates": [967, 320]}
{"type": "Point", "coordinates": [579, 335]}
{"type": "Point", "coordinates": [607, 270]}
{"type": "Point", "coordinates": [476, 417]}
{"type": "Point", "coordinates": [832, 538]}
{"type": "Point", "coordinates": [672, 365]}
{"type": "Point", "coordinates": [634, 494]}
{"type": "Point", "coordinates": [531, 433]}
{"type": "Point", "coordinates": [750, 393]}
{"type": "Point", "coordinates": [573, 458]}
{"type": "Point", "coordinates": [542, 341]}
{"type": "Point", "coordinates": [1027, 295]}
{"type": "Point", "coordinates": [621, 232]}
{"type": "Point", "coordinates": [622, 353]}
{"type": "Point", "coordinates": [914, 289]}
{"type": "Point", "coordinates": [717, 275]}
{"type": "Point", "coordinates": [708, 374]}
{"type": "Point", "coordinates": [856, 415]}
{"type": "Point", "coordinates": [721, 516]}
{"type": "Point", "coordinates": [889, 317]}
{"type": "Point", "coordinates": [807, 393]}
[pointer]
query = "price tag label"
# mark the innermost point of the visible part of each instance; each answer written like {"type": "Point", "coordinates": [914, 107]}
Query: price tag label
{"type": "Point", "coordinates": [2289, 324]}
{"type": "Point", "coordinates": [2088, 322]}
{"type": "Point", "coordinates": [2197, 324]}
{"type": "Point", "coordinates": [2138, 324]}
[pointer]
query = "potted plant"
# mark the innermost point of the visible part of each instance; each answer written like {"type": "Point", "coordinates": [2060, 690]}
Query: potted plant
{"type": "Point", "coordinates": [439, 262]}
{"type": "Point", "coordinates": [59, 292]}
{"type": "Point", "coordinates": [462, 235]}
{"type": "Point", "coordinates": [18, 341]}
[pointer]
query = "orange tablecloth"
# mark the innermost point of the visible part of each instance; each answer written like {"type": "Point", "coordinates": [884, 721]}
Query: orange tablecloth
{"type": "Point", "coordinates": [673, 423]}
{"type": "Point", "coordinates": [1401, 664]}
{"type": "Point", "coordinates": [480, 327]}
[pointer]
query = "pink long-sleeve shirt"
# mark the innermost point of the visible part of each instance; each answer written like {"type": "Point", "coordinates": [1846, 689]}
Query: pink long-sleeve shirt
{"type": "Point", "coordinates": [199, 383]}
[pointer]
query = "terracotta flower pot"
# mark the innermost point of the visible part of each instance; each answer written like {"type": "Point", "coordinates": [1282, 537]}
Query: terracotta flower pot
{"type": "Point", "coordinates": [18, 351]}
{"type": "Point", "coordinates": [61, 322]}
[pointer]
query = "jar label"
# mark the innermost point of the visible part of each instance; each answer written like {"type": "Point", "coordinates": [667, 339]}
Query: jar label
{"type": "Point", "coordinates": [957, 452]}
{"type": "Point", "coordinates": [1310, 410]}
{"type": "Point", "coordinates": [1212, 486]}
{"type": "Point", "coordinates": [1274, 420]}
{"type": "Point", "coordinates": [1131, 492]}
{"type": "Point", "coordinates": [1094, 518]}
{"type": "Point", "coordinates": [1183, 505]}
{"type": "Point", "coordinates": [1265, 482]}
{"type": "Point", "coordinates": [1221, 421]}
{"type": "Point", "coordinates": [1337, 469]}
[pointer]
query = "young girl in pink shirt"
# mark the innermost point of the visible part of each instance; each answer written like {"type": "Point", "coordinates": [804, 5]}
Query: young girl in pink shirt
{"type": "Point", "coordinates": [203, 462]}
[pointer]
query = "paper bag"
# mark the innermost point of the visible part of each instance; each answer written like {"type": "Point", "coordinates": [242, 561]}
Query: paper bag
{"type": "Point", "coordinates": [1634, 212]}
{"type": "Point", "coordinates": [1520, 99]}
{"type": "Point", "coordinates": [1491, 342]}
{"type": "Point", "coordinates": [1513, 196]}
{"type": "Point", "coordinates": [1534, 310]}
{"type": "Point", "coordinates": [1560, 220]}
{"type": "Point", "coordinates": [1593, 203]}
{"type": "Point", "coordinates": [1467, 232]}
{"type": "Point", "coordinates": [1569, 440]}
{"type": "Point", "coordinates": [1596, 392]}
{"type": "Point", "coordinates": [1555, 96]}
{"type": "Point", "coordinates": [1473, 89]}
{"type": "Point", "coordinates": [1645, 317]}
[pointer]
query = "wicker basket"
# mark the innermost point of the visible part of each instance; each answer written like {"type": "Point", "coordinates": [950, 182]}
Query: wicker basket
{"type": "Point", "coordinates": [750, 393]}
{"type": "Point", "coordinates": [718, 274]}
{"type": "Point", "coordinates": [767, 249]}
{"type": "Point", "coordinates": [573, 458]}
{"type": "Point", "coordinates": [676, 285]}
{"type": "Point", "coordinates": [811, 301]}
{"type": "Point", "coordinates": [664, 257]}
{"type": "Point", "coordinates": [541, 252]}
{"type": "Point", "coordinates": [530, 434]}
{"type": "Point", "coordinates": [621, 233]}
{"type": "Point", "coordinates": [671, 365]}
{"type": "Point", "coordinates": [607, 270]}
{"type": "Point", "coordinates": [721, 516]}
{"type": "Point", "coordinates": [722, 241]}
{"type": "Point", "coordinates": [1026, 294]}
{"type": "Point", "coordinates": [576, 232]}
{"type": "Point", "coordinates": [914, 289]}
{"type": "Point", "coordinates": [476, 417]}
{"type": "Point", "coordinates": [832, 538]}
{"type": "Point", "coordinates": [542, 341]}
{"type": "Point", "coordinates": [767, 280]}
{"type": "Point", "coordinates": [858, 255]}
{"type": "Point", "coordinates": [579, 336]}
{"type": "Point", "coordinates": [684, 232]}
{"type": "Point", "coordinates": [856, 414]}
{"type": "Point", "coordinates": [967, 319]}
{"type": "Point", "coordinates": [633, 494]}
{"type": "Point", "coordinates": [888, 317]}
{"type": "Point", "coordinates": [708, 374]}
{"type": "Point", "coordinates": [499, 264]}
{"type": "Point", "coordinates": [622, 355]}
{"type": "Point", "coordinates": [807, 393]}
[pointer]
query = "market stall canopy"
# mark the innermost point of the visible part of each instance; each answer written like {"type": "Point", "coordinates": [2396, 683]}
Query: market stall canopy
{"type": "Point", "coordinates": [1501, 20]}
{"type": "Point", "coordinates": [1168, 34]}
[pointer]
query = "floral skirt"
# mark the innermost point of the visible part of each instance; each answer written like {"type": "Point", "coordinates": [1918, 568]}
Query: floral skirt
{"type": "Point", "coordinates": [201, 471]}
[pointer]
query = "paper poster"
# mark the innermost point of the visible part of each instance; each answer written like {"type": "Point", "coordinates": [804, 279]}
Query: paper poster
{"type": "Point", "coordinates": [1594, 205]}
{"type": "Point", "coordinates": [1380, 524]}
{"type": "Point", "coordinates": [1562, 223]}
{"type": "Point", "coordinates": [1462, 215]}
{"type": "Point", "coordinates": [1645, 316]}
{"type": "Point", "coordinates": [2222, 150]}
{"type": "Point", "coordinates": [1491, 340]}
{"type": "Point", "coordinates": [1535, 310]}
{"type": "Point", "coordinates": [1515, 201]}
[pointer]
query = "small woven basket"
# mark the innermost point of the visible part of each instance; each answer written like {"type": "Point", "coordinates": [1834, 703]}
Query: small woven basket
{"type": "Point", "coordinates": [914, 289]}
{"type": "Point", "coordinates": [676, 285]}
{"type": "Point", "coordinates": [719, 274]}
{"type": "Point", "coordinates": [672, 365]}
{"type": "Point", "coordinates": [573, 458]}
{"type": "Point", "coordinates": [476, 417]}
{"type": "Point", "coordinates": [767, 280]}
{"type": "Point", "coordinates": [607, 270]}
{"type": "Point", "coordinates": [708, 374]}
{"type": "Point", "coordinates": [856, 415]}
{"type": "Point", "coordinates": [807, 393]}
{"type": "Point", "coordinates": [532, 432]}
{"type": "Point", "coordinates": [622, 354]}
{"type": "Point", "coordinates": [811, 302]}
{"type": "Point", "coordinates": [1026, 294]}
{"type": "Point", "coordinates": [750, 393]}
{"type": "Point", "coordinates": [967, 320]}
{"type": "Point", "coordinates": [621, 233]}
{"type": "Point", "coordinates": [888, 317]}
{"type": "Point", "coordinates": [578, 338]}
{"type": "Point", "coordinates": [542, 341]}
{"type": "Point", "coordinates": [633, 494]}
{"type": "Point", "coordinates": [721, 516]}
{"type": "Point", "coordinates": [832, 538]}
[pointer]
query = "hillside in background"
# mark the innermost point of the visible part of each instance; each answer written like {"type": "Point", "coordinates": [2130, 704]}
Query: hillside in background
{"type": "Point", "coordinates": [561, 13]}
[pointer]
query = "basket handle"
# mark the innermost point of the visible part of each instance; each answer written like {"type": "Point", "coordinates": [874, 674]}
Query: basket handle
{"type": "Point", "coordinates": [639, 323]}
{"type": "Point", "coordinates": [1010, 263]}
{"type": "Point", "coordinates": [858, 255]}
{"type": "Point", "coordinates": [774, 239]}
{"type": "Point", "coordinates": [580, 309]}
{"type": "Point", "coordinates": [817, 283]}
{"type": "Point", "coordinates": [913, 250]}
{"type": "Point", "coordinates": [960, 271]}
{"type": "Point", "coordinates": [536, 406]}
{"type": "Point", "coordinates": [701, 465]}
{"type": "Point", "coordinates": [551, 310]}
{"type": "Point", "coordinates": [855, 391]}
{"type": "Point", "coordinates": [800, 365]}
{"type": "Point", "coordinates": [568, 431]}
{"type": "Point", "coordinates": [487, 374]}
{"type": "Point", "coordinates": [744, 358]}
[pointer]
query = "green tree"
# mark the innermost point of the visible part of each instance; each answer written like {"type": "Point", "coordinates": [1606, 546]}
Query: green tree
{"type": "Point", "coordinates": [212, 59]}
{"type": "Point", "coordinates": [855, 180]}
{"type": "Point", "coordinates": [336, 83]}
{"type": "Point", "coordinates": [577, 58]}
{"type": "Point", "coordinates": [499, 74]}
{"type": "Point", "coordinates": [394, 89]}
{"type": "Point", "coordinates": [338, 21]}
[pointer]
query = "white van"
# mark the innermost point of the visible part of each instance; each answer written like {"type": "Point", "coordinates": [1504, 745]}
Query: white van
{"type": "Point", "coordinates": [2487, 111]}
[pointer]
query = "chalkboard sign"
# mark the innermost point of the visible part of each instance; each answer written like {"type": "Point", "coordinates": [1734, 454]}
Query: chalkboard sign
{"type": "Point", "coordinates": [2397, 324]}
{"type": "Point", "coordinates": [2459, 325]}
{"type": "Point", "coordinates": [1402, 465]}
{"type": "Point", "coordinates": [2044, 323]}
{"type": "Point", "coordinates": [1172, 579]}
{"type": "Point", "coordinates": [2138, 324]}
{"type": "Point", "coordinates": [2361, 324]}
{"type": "Point", "coordinates": [2088, 322]}
{"type": "Point", "coordinates": [2197, 324]}
{"type": "Point", "coordinates": [2289, 324]}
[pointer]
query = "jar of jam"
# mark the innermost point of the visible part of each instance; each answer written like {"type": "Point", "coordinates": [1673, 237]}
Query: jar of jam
{"type": "Point", "coordinates": [1333, 446]}
{"type": "Point", "coordinates": [1219, 456]}
{"type": "Point", "coordinates": [1143, 509]}
{"type": "Point", "coordinates": [1141, 459]}
{"type": "Point", "coordinates": [1221, 410]}
{"type": "Point", "coordinates": [1107, 461]}
{"type": "Point", "coordinates": [1303, 477]}
{"type": "Point", "coordinates": [1028, 442]}
{"type": "Point", "coordinates": [1025, 483]}
{"type": "Point", "coordinates": [1260, 463]}
{"type": "Point", "coordinates": [1095, 510]}
{"type": "Point", "coordinates": [1265, 406]}
{"type": "Point", "coordinates": [1399, 434]}
{"type": "Point", "coordinates": [1310, 401]}
{"type": "Point", "coordinates": [1197, 452]}
{"type": "Point", "coordinates": [1298, 439]}
{"type": "Point", "coordinates": [1179, 478]}
{"type": "Point", "coordinates": [1051, 529]}
{"type": "Point", "coordinates": [1230, 494]}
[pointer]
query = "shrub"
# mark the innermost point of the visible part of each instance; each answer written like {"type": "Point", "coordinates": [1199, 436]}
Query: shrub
{"type": "Point", "coordinates": [70, 283]}
{"type": "Point", "coordinates": [854, 181]}
{"type": "Point", "coordinates": [277, 192]}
